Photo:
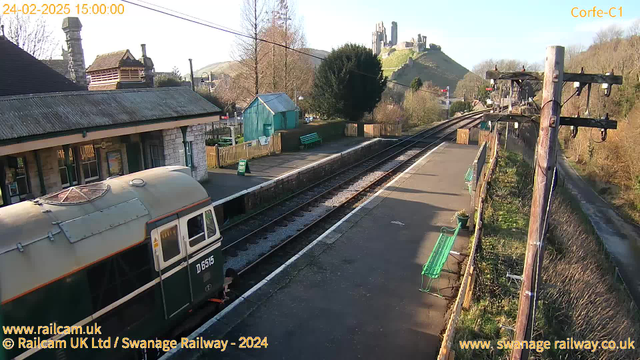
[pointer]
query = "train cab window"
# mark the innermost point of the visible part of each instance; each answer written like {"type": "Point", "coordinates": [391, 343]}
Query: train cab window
{"type": "Point", "coordinates": [170, 243]}
{"type": "Point", "coordinates": [195, 230]}
{"type": "Point", "coordinates": [211, 224]}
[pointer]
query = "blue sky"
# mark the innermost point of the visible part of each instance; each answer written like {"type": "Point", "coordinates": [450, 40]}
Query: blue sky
{"type": "Point", "coordinates": [468, 31]}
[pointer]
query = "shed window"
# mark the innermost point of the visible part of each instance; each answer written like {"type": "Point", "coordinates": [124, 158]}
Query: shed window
{"type": "Point", "coordinates": [195, 229]}
{"type": "Point", "coordinates": [89, 162]}
{"type": "Point", "coordinates": [170, 243]}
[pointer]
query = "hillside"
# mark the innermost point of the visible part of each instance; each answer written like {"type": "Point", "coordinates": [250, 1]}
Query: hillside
{"type": "Point", "coordinates": [429, 65]}
{"type": "Point", "coordinates": [231, 67]}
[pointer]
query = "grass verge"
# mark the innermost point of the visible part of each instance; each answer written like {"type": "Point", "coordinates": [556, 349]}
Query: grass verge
{"type": "Point", "coordinates": [502, 252]}
{"type": "Point", "coordinates": [580, 297]}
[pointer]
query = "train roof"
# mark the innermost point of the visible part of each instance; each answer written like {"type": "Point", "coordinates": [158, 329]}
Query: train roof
{"type": "Point", "coordinates": [47, 238]}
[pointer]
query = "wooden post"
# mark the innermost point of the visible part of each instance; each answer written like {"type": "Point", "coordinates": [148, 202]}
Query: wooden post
{"type": "Point", "coordinates": [506, 136]}
{"type": "Point", "coordinates": [544, 169]}
{"type": "Point", "coordinates": [469, 294]}
{"type": "Point", "coordinates": [217, 153]}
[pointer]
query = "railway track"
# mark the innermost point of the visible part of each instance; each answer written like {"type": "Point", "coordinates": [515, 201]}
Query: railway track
{"type": "Point", "coordinates": [260, 235]}
{"type": "Point", "coordinates": [265, 237]}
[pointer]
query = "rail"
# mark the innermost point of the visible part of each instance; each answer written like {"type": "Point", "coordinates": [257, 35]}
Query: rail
{"type": "Point", "coordinates": [447, 132]}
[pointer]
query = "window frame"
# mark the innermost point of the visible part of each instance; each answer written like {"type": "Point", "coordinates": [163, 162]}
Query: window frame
{"type": "Point", "coordinates": [160, 263]}
{"type": "Point", "coordinates": [208, 239]}
{"type": "Point", "coordinates": [95, 160]}
{"type": "Point", "coordinates": [64, 167]}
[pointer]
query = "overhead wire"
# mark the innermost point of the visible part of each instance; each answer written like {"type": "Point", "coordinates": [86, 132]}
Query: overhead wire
{"type": "Point", "coordinates": [206, 23]}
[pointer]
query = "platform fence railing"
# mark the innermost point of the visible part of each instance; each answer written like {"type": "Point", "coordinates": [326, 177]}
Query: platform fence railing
{"type": "Point", "coordinates": [464, 296]}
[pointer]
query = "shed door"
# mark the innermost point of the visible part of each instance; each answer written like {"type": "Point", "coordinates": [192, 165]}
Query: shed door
{"type": "Point", "coordinates": [171, 264]}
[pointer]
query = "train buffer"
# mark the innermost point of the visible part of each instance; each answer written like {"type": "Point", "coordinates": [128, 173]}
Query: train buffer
{"type": "Point", "coordinates": [433, 267]}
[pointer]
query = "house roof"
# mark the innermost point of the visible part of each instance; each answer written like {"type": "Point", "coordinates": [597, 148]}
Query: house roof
{"type": "Point", "coordinates": [276, 102]}
{"type": "Point", "coordinates": [122, 58]}
{"type": "Point", "coordinates": [61, 66]}
{"type": "Point", "coordinates": [27, 116]}
{"type": "Point", "coordinates": [21, 73]}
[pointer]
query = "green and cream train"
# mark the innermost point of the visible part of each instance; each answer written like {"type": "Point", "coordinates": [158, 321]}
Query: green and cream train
{"type": "Point", "coordinates": [129, 256]}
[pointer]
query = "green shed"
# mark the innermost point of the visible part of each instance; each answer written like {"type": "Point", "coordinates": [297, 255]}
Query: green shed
{"type": "Point", "coordinates": [268, 113]}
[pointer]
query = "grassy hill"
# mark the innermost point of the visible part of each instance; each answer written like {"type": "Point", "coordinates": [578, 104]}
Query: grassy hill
{"type": "Point", "coordinates": [429, 65]}
{"type": "Point", "coordinates": [231, 67]}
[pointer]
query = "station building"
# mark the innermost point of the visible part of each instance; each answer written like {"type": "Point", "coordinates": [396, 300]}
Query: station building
{"type": "Point", "coordinates": [55, 134]}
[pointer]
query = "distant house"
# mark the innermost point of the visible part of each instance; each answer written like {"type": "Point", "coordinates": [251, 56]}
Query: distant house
{"type": "Point", "coordinates": [268, 113]}
{"type": "Point", "coordinates": [121, 70]}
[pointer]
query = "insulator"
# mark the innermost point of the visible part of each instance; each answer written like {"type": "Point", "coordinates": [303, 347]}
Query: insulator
{"type": "Point", "coordinates": [603, 134]}
{"type": "Point", "coordinates": [574, 132]}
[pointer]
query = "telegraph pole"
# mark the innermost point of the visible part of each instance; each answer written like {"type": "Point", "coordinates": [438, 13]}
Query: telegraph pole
{"type": "Point", "coordinates": [544, 169]}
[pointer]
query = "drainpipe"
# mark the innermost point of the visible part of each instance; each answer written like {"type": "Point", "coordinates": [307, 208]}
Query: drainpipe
{"type": "Point", "coordinates": [184, 145]}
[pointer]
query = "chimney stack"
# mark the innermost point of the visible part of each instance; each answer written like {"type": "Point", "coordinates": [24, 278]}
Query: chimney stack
{"type": "Point", "coordinates": [71, 27]}
{"type": "Point", "coordinates": [148, 66]}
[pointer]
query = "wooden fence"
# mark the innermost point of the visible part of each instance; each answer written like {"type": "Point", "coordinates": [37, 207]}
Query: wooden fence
{"type": "Point", "coordinates": [466, 287]}
{"type": "Point", "coordinates": [378, 130]}
{"type": "Point", "coordinates": [224, 156]}
{"type": "Point", "coordinates": [351, 130]}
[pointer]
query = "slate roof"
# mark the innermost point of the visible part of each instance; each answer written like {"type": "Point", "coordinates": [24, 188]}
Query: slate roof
{"type": "Point", "coordinates": [21, 73]}
{"type": "Point", "coordinates": [48, 115]}
{"type": "Point", "coordinates": [61, 66]}
{"type": "Point", "coordinates": [114, 60]}
{"type": "Point", "coordinates": [276, 102]}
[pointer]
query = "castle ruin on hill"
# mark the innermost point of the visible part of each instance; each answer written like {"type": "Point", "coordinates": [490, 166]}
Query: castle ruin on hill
{"type": "Point", "coordinates": [379, 40]}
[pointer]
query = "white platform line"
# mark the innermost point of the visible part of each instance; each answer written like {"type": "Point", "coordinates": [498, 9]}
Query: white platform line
{"type": "Point", "coordinates": [214, 319]}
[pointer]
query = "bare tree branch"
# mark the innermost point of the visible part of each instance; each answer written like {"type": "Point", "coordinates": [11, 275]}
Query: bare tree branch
{"type": "Point", "coordinates": [32, 36]}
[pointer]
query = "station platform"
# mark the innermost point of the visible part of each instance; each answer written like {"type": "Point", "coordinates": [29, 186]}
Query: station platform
{"type": "Point", "coordinates": [353, 292]}
{"type": "Point", "coordinates": [224, 182]}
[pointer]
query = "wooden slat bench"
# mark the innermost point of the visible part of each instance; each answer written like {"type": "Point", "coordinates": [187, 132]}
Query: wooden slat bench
{"type": "Point", "coordinates": [433, 267]}
{"type": "Point", "coordinates": [310, 139]}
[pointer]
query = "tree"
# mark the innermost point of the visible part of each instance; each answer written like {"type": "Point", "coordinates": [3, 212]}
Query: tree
{"type": "Point", "coordinates": [472, 86]}
{"type": "Point", "coordinates": [285, 70]}
{"type": "Point", "coordinates": [459, 106]}
{"type": "Point", "coordinates": [167, 81]}
{"type": "Point", "coordinates": [32, 36]}
{"type": "Point", "coordinates": [248, 51]}
{"type": "Point", "coordinates": [423, 106]}
{"type": "Point", "coordinates": [609, 33]}
{"type": "Point", "coordinates": [348, 83]}
{"type": "Point", "coordinates": [174, 79]}
{"type": "Point", "coordinates": [416, 84]}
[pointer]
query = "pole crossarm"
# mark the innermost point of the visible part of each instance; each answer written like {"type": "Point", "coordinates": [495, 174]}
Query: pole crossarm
{"type": "Point", "coordinates": [564, 120]}
{"type": "Point", "coordinates": [587, 122]}
{"type": "Point", "coordinates": [568, 77]}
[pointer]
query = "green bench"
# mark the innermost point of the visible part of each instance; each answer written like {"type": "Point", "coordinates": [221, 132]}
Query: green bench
{"type": "Point", "coordinates": [310, 139]}
{"type": "Point", "coordinates": [433, 267]}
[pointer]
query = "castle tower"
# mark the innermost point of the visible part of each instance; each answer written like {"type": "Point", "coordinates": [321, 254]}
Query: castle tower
{"type": "Point", "coordinates": [394, 33]}
{"type": "Point", "coordinates": [71, 27]}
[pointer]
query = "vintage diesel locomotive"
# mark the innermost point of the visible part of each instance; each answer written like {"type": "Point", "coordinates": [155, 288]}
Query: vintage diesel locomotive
{"type": "Point", "coordinates": [131, 254]}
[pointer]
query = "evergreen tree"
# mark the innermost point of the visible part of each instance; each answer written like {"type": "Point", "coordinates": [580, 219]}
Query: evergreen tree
{"type": "Point", "coordinates": [348, 83]}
